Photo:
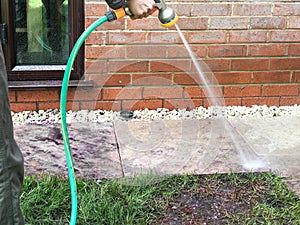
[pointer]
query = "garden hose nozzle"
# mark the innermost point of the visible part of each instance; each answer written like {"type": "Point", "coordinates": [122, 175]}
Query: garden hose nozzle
{"type": "Point", "coordinates": [166, 15]}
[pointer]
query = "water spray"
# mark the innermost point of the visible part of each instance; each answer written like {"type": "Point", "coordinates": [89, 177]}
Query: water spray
{"type": "Point", "coordinates": [167, 18]}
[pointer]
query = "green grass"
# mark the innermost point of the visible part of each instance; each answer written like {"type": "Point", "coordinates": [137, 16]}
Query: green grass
{"type": "Point", "coordinates": [253, 198]}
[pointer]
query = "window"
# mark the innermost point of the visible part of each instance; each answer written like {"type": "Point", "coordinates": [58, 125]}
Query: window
{"type": "Point", "coordinates": [40, 35]}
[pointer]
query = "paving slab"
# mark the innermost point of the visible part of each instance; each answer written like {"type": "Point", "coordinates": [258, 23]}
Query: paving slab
{"type": "Point", "coordinates": [180, 146]}
{"type": "Point", "coordinates": [271, 136]}
{"type": "Point", "coordinates": [211, 146]}
{"type": "Point", "coordinates": [94, 149]}
{"type": "Point", "coordinates": [276, 140]}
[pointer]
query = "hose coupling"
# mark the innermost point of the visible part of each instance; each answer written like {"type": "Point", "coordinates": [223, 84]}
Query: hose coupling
{"type": "Point", "coordinates": [115, 14]}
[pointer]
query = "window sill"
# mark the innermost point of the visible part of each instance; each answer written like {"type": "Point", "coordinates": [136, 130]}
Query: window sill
{"type": "Point", "coordinates": [48, 84]}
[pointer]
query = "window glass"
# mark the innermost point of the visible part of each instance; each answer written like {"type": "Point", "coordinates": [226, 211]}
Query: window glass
{"type": "Point", "coordinates": [41, 32]}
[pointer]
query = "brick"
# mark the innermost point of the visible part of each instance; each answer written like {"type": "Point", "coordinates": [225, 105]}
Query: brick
{"type": "Point", "coordinates": [96, 66]}
{"type": "Point", "coordinates": [141, 104]}
{"type": "Point", "coordinates": [78, 94]}
{"type": "Point", "coordinates": [211, 10]}
{"type": "Point", "coordinates": [217, 64]}
{"type": "Point", "coordinates": [247, 36]}
{"type": "Point", "coordinates": [269, 101]}
{"type": "Point", "coordinates": [227, 50]}
{"type": "Point", "coordinates": [296, 77]}
{"type": "Point", "coordinates": [103, 105]}
{"type": "Point", "coordinates": [252, 9]}
{"type": "Point", "coordinates": [71, 105]}
{"type": "Point", "coordinates": [12, 96]}
{"type": "Point", "coordinates": [193, 23]}
{"type": "Point", "coordinates": [152, 79]}
{"type": "Point", "coordinates": [294, 49]}
{"type": "Point", "coordinates": [294, 22]}
{"type": "Point", "coordinates": [95, 38]}
{"type": "Point", "coordinates": [280, 90]}
{"type": "Point", "coordinates": [122, 93]}
{"type": "Point", "coordinates": [290, 101]}
{"type": "Point", "coordinates": [285, 63]}
{"type": "Point", "coordinates": [201, 92]}
{"type": "Point", "coordinates": [163, 37]}
{"type": "Point", "coordinates": [191, 78]}
{"type": "Point", "coordinates": [20, 107]}
{"type": "Point", "coordinates": [51, 105]}
{"type": "Point", "coordinates": [116, 25]}
{"type": "Point", "coordinates": [146, 51]}
{"type": "Point", "coordinates": [233, 101]}
{"type": "Point", "coordinates": [241, 91]}
{"type": "Point", "coordinates": [175, 51]}
{"type": "Point", "coordinates": [146, 24]}
{"type": "Point", "coordinates": [95, 9]}
{"type": "Point", "coordinates": [233, 77]}
{"type": "Point", "coordinates": [198, 50]}
{"type": "Point", "coordinates": [271, 77]}
{"type": "Point", "coordinates": [182, 9]}
{"type": "Point", "coordinates": [128, 66]}
{"type": "Point", "coordinates": [170, 65]}
{"type": "Point", "coordinates": [194, 92]}
{"type": "Point", "coordinates": [110, 79]}
{"type": "Point", "coordinates": [182, 103]}
{"type": "Point", "coordinates": [229, 23]}
{"type": "Point", "coordinates": [103, 52]}
{"type": "Point", "coordinates": [284, 36]}
{"type": "Point", "coordinates": [162, 92]}
{"type": "Point", "coordinates": [125, 37]}
{"type": "Point", "coordinates": [249, 64]}
{"type": "Point", "coordinates": [268, 23]}
{"type": "Point", "coordinates": [201, 67]}
{"type": "Point", "coordinates": [38, 95]}
{"type": "Point", "coordinates": [267, 50]}
{"type": "Point", "coordinates": [213, 102]}
{"type": "Point", "coordinates": [286, 9]}
{"type": "Point", "coordinates": [201, 37]}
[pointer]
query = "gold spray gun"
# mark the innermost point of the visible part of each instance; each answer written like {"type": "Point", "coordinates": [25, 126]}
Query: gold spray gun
{"type": "Point", "coordinates": [166, 15]}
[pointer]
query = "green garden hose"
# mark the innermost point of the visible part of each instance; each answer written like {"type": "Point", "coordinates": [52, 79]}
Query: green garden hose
{"type": "Point", "coordinates": [109, 16]}
{"type": "Point", "coordinates": [167, 18]}
{"type": "Point", "coordinates": [63, 102]}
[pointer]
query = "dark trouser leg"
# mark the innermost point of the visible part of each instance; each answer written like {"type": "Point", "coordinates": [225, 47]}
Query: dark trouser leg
{"type": "Point", "coordinates": [11, 159]}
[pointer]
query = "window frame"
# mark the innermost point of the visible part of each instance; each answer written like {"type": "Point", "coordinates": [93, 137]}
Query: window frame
{"type": "Point", "coordinates": [43, 72]}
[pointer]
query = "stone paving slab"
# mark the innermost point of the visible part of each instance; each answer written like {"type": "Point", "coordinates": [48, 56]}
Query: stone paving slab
{"type": "Point", "coordinates": [273, 136]}
{"type": "Point", "coordinates": [211, 146]}
{"type": "Point", "coordinates": [180, 146]}
{"type": "Point", "coordinates": [277, 141]}
{"type": "Point", "coordinates": [94, 149]}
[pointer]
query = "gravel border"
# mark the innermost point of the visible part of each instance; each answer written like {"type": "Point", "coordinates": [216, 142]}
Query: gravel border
{"type": "Point", "coordinates": [52, 116]}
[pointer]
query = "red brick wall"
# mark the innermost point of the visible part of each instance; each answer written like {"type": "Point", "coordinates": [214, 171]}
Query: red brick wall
{"type": "Point", "coordinates": [250, 53]}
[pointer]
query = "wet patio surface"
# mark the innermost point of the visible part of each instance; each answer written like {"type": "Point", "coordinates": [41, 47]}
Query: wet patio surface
{"type": "Point", "coordinates": [129, 148]}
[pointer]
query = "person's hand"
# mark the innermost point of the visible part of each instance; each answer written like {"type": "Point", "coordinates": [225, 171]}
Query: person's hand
{"type": "Point", "coordinates": [141, 8]}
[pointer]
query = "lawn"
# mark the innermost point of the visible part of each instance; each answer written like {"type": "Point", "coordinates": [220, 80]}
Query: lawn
{"type": "Point", "coordinates": [244, 198]}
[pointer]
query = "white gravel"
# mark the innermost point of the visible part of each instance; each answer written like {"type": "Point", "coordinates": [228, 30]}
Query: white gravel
{"type": "Point", "coordinates": [53, 116]}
